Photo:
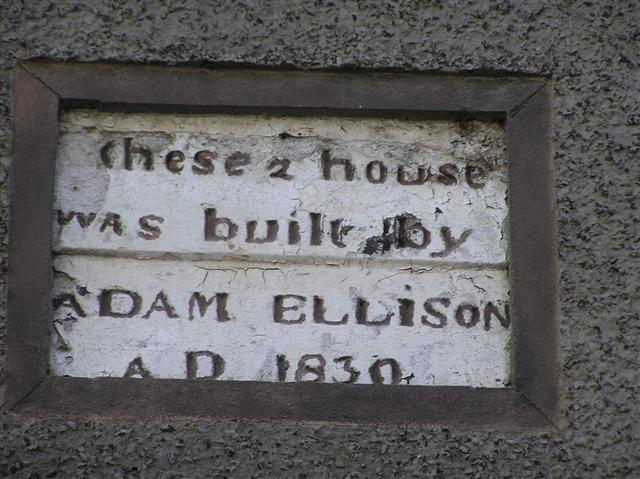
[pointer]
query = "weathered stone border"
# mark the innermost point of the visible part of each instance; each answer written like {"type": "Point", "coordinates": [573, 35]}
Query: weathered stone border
{"type": "Point", "coordinates": [42, 89]}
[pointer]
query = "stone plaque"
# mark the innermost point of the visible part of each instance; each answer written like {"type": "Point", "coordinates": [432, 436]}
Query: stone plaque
{"type": "Point", "coordinates": [291, 245]}
{"type": "Point", "coordinates": [274, 248]}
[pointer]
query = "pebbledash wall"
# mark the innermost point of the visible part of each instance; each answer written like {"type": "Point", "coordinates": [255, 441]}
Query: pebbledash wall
{"type": "Point", "coordinates": [589, 51]}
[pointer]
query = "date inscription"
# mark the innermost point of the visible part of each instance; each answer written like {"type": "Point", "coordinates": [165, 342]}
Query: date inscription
{"type": "Point", "coordinates": [310, 368]}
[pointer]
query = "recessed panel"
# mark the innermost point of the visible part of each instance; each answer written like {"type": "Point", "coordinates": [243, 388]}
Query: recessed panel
{"type": "Point", "coordinates": [281, 249]}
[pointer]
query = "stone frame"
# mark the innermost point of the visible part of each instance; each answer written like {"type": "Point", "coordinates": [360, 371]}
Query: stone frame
{"type": "Point", "coordinates": [41, 89]}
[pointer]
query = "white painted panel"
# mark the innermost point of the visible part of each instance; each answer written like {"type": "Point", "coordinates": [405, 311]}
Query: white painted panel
{"type": "Point", "coordinates": [99, 344]}
{"type": "Point", "coordinates": [136, 242]}
{"type": "Point", "coordinates": [473, 205]}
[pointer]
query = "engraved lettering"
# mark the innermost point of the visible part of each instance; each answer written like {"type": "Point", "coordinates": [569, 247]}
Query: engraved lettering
{"type": "Point", "coordinates": [272, 232]}
{"type": "Point", "coordinates": [328, 162]}
{"type": "Point", "coordinates": [212, 223]}
{"type": "Point", "coordinates": [109, 296]}
{"type": "Point", "coordinates": [405, 309]}
{"type": "Point", "coordinates": [362, 311]}
{"type": "Point", "coordinates": [316, 229]}
{"type": "Point", "coordinates": [279, 308]}
{"type": "Point", "coordinates": [411, 233]}
{"type": "Point", "coordinates": [467, 320]}
{"type": "Point", "coordinates": [149, 231]}
{"type": "Point", "coordinates": [354, 374]}
{"type": "Point", "coordinates": [375, 371]}
{"type": "Point", "coordinates": [234, 161]}
{"type": "Point", "coordinates": [475, 175]}
{"type": "Point", "coordinates": [216, 364]}
{"type": "Point", "coordinates": [283, 166]}
{"type": "Point", "coordinates": [174, 160]}
{"type": "Point", "coordinates": [428, 307]}
{"type": "Point", "coordinates": [294, 232]}
{"type": "Point", "coordinates": [83, 219]}
{"type": "Point", "coordinates": [105, 154]}
{"type": "Point", "coordinates": [406, 178]}
{"type": "Point", "coordinates": [338, 232]}
{"type": "Point", "coordinates": [68, 300]}
{"type": "Point", "coordinates": [319, 313]}
{"type": "Point", "coordinates": [203, 304]}
{"type": "Point", "coordinates": [448, 173]}
{"type": "Point", "coordinates": [491, 310]}
{"type": "Point", "coordinates": [376, 172]}
{"type": "Point", "coordinates": [305, 369]}
{"type": "Point", "coordinates": [113, 221]}
{"type": "Point", "coordinates": [136, 368]}
{"type": "Point", "coordinates": [450, 243]}
{"type": "Point", "coordinates": [283, 366]}
{"type": "Point", "coordinates": [130, 152]}
{"type": "Point", "coordinates": [203, 162]}
{"type": "Point", "coordinates": [161, 303]}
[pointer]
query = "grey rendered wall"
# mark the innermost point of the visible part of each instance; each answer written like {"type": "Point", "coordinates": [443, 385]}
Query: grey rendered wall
{"type": "Point", "coordinates": [588, 49]}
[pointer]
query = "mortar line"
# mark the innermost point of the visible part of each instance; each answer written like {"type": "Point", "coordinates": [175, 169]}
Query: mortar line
{"type": "Point", "coordinates": [417, 266]}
